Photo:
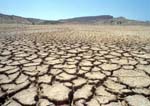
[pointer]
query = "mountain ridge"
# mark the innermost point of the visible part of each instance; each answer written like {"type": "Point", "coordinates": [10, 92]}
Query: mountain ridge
{"type": "Point", "coordinates": [98, 20]}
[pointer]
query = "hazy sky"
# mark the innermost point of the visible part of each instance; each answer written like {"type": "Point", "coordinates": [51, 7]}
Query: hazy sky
{"type": "Point", "coordinates": [61, 9]}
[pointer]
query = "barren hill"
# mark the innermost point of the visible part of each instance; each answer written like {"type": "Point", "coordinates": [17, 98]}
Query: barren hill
{"type": "Point", "coordinates": [96, 20]}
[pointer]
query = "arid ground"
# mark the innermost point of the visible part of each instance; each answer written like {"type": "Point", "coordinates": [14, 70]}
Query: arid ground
{"type": "Point", "coordinates": [74, 65]}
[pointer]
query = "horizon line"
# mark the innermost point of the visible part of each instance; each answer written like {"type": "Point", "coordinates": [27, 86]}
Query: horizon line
{"type": "Point", "coordinates": [72, 17]}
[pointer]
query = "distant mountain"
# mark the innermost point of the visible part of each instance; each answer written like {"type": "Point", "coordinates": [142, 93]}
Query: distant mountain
{"type": "Point", "coordinates": [9, 19]}
{"type": "Point", "coordinates": [124, 21]}
{"type": "Point", "coordinates": [88, 19]}
{"type": "Point", "coordinates": [104, 20]}
{"type": "Point", "coordinates": [12, 19]}
{"type": "Point", "coordinates": [96, 20]}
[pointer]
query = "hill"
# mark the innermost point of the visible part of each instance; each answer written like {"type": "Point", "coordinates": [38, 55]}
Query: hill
{"type": "Point", "coordinates": [12, 19]}
{"type": "Point", "coordinates": [98, 20]}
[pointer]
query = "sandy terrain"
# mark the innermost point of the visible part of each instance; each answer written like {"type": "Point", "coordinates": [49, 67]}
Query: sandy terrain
{"type": "Point", "coordinates": [74, 65]}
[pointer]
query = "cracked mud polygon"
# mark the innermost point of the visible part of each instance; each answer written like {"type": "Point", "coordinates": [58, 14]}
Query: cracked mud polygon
{"type": "Point", "coordinates": [75, 66]}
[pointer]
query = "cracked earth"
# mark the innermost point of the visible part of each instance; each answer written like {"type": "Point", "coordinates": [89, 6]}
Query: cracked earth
{"type": "Point", "coordinates": [60, 69]}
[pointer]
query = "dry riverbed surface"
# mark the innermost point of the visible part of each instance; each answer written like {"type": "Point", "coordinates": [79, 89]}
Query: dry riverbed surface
{"type": "Point", "coordinates": [78, 65]}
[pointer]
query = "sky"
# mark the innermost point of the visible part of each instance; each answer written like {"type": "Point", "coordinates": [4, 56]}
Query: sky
{"type": "Point", "coordinates": [62, 9]}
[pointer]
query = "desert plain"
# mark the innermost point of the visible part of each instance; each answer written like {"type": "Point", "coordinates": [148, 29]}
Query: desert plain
{"type": "Point", "coordinates": [74, 65]}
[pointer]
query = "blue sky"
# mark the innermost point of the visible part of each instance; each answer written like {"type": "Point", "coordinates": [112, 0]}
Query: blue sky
{"type": "Point", "coordinates": [61, 9]}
